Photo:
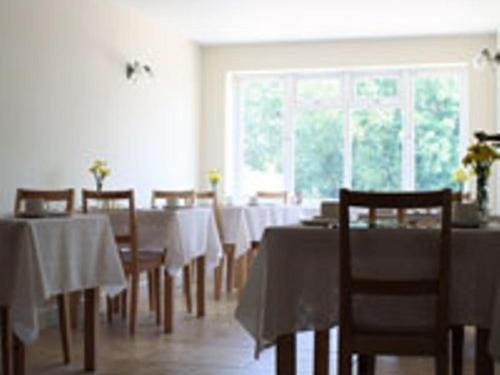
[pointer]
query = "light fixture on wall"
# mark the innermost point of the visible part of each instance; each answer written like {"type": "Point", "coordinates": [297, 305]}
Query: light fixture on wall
{"type": "Point", "coordinates": [487, 57]}
{"type": "Point", "coordinates": [136, 69]}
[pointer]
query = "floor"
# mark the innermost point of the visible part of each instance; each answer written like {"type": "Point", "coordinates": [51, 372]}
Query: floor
{"type": "Point", "coordinates": [214, 345]}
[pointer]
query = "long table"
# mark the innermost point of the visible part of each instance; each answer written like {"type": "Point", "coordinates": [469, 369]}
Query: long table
{"type": "Point", "coordinates": [293, 284]}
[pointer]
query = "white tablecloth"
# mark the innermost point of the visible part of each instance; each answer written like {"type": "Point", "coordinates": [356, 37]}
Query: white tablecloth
{"type": "Point", "coordinates": [186, 233]}
{"type": "Point", "coordinates": [41, 258]}
{"type": "Point", "coordinates": [243, 224]}
{"type": "Point", "coordinates": [293, 284]}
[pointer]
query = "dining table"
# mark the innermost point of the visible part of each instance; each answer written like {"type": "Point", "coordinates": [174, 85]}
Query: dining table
{"type": "Point", "coordinates": [184, 234]}
{"type": "Point", "coordinates": [293, 285]}
{"type": "Point", "coordinates": [45, 257]}
{"type": "Point", "coordinates": [242, 227]}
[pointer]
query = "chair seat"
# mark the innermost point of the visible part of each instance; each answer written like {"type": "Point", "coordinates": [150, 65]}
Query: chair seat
{"type": "Point", "coordinates": [148, 260]}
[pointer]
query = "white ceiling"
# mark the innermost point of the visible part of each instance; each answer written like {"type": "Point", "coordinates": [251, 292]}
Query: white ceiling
{"type": "Point", "coordinates": [235, 21]}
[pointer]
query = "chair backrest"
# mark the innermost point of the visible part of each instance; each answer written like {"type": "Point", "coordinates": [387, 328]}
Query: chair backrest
{"type": "Point", "coordinates": [436, 286]}
{"type": "Point", "coordinates": [128, 239]}
{"type": "Point", "coordinates": [188, 196]}
{"type": "Point", "coordinates": [67, 196]}
{"type": "Point", "coordinates": [273, 195]}
{"type": "Point", "coordinates": [211, 196]}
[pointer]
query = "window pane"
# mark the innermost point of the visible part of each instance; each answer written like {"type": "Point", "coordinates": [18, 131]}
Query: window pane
{"type": "Point", "coordinates": [376, 149]}
{"type": "Point", "coordinates": [376, 87]}
{"type": "Point", "coordinates": [437, 125]}
{"type": "Point", "coordinates": [263, 138]}
{"type": "Point", "coordinates": [318, 91]}
{"type": "Point", "coordinates": [319, 147]}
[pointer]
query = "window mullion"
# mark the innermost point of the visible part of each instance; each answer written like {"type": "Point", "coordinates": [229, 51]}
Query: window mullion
{"type": "Point", "coordinates": [288, 134]}
{"type": "Point", "coordinates": [408, 139]}
{"type": "Point", "coordinates": [347, 94]}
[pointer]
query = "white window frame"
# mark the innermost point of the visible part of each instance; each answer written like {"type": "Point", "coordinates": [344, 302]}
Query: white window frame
{"type": "Point", "coordinates": [347, 103]}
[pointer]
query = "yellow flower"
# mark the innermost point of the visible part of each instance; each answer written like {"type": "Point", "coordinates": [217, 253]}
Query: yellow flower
{"type": "Point", "coordinates": [461, 175]}
{"type": "Point", "coordinates": [214, 176]}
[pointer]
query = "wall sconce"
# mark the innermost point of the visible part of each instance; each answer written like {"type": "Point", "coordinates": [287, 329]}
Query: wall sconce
{"type": "Point", "coordinates": [487, 57]}
{"type": "Point", "coordinates": [135, 69]}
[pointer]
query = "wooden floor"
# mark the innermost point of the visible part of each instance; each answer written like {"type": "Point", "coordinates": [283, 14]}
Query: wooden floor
{"type": "Point", "coordinates": [214, 345]}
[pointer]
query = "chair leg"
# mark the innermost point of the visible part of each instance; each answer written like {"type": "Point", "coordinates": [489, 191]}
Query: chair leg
{"type": "Point", "coordinates": [157, 290]}
{"type": "Point", "coordinates": [124, 307]}
{"type": "Point", "coordinates": [168, 302]}
{"type": "Point", "coordinates": [286, 363]}
{"type": "Point", "coordinates": [200, 286]}
{"type": "Point", "coordinates": [186, 273]}
{"type": "Point", "coordinates": [151, 291]}
{"type": "Point", "coordinates": [457, 344]}
{"type": "Point", "coordinates": [218, 280]}
{"type": "Point", "coordinates": [134, 302]}
{"type": "Point", "coordinates": [65, 325]}
{"type": "Point", "coordinates": [74, 301]}
{"type": "Point", "coordinates": [366, 364]}
{"type": "Point", "coordinates": [229, 269]}
{"type": "Point", "coordinates": [7, 343]}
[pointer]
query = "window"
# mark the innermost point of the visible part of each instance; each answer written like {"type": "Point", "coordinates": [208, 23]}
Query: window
{"type": "Point", "coordinates": [398, 129]}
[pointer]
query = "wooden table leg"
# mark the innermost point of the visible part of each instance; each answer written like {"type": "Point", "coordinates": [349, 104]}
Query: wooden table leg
{"type": "Point", "coordinates": [321, 352]}
{"type": "Point", "coordinates": [218, 280]}
{"type": "Point", "coordinates": [19, 356]}
{"type": "Point", "coordinates": [286, 355]}
{"type": "Point", "coordinates": [457, 348]}
{"type": "Point", "coordinates": [484, 362]}
{"type": "Point", "coordinates": [7, 345]}
{"type": "Point", "coordinates": [91, 297]}
{"type": "Point", "coordinates": [168, 301]}
{"type": "Point", "coordinates": [200, 286]}
{"type": "Point", "coordinates": [366, 364]}
{"type": "Point", "coordinates": [63, 304]}
{"type": "Point", "coordinates": [241, 265]}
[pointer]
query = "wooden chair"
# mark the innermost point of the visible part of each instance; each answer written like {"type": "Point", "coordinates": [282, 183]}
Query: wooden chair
{"type": "Point", "coordinates": [135, 262]}
{"type": "Point", "coordinates": [273, 195]}
{"type": "Point", "coordinates": [188, 196]}
{"type": "Point", "coordinates": [211, 196]}
{"type": "Point", "coordinates": [370, 342]}
{"type": "Point", "coordinates": [67, 197]}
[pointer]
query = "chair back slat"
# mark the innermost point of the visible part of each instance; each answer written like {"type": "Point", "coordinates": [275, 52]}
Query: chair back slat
{"type": "Point", "coordinates": [66, 195]}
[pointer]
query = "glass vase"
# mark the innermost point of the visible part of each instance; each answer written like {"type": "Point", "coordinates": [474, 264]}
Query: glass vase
{"type": "Point", "coordinates": [482, 194]}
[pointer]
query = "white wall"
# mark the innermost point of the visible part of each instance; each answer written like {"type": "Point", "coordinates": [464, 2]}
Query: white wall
{"type": "Point", "coordinates": [65, 101]}
{"type": "Point", "coordinates": [218, 61]}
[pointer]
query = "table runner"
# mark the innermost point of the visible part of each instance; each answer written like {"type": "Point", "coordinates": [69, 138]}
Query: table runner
{"type": "Point", "coordinates": [293, 284]}
{"type": "Point", "coordinates": [41, 258]}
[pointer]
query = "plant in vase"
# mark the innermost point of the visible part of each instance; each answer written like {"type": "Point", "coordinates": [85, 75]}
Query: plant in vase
{"type": "Point", "coordinates": [214, 177]}
{"type": "Point", "coordinates": [100, 171]}
{"type": "Point", "coordinates": [479, 159]}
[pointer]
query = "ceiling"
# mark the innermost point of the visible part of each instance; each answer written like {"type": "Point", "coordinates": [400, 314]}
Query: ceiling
{"type": "Point", "coordinates": [244, 21]}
